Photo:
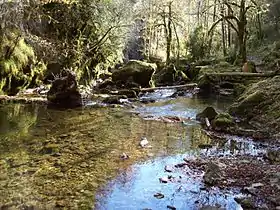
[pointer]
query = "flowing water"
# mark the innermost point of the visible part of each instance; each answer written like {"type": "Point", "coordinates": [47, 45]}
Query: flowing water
{"type": "Point", "coordinates": [71, 159]}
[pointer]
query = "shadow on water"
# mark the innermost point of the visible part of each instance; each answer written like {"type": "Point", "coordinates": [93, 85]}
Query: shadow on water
{"type": "Point", "coordinates": [54, 159]}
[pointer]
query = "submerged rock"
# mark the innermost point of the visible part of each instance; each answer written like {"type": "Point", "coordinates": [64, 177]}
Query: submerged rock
{"type": "Point", "coordinates": [144, 142]}
{"type": "Point", "coordinates": [137, 72]}
{"type": "Point", "coordinates": [124, 156]}
{"type": "Point", "coordinates": [159, 195]}
{"type": "Point", "coordinates": [171, 207]}
{"type": "Point", "coordinates": [163, 179]}
{"type": "Point", "coordinates": [64, 91]}
{"type": "Point", "coordinates": [213, 174]}
{"type": "Point", "coordinates": [273, 156]}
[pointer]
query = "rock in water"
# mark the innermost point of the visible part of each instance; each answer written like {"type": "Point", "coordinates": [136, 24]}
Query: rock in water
{"type": "Point", "coordinates": [209, 113]}
{"type": "Point", "coordinates": [64, 91]}
{"type": "Point", "coordinates": [136, 72]}
{"type": "Point", "coordinates": [144, 142]}
{"type": "Point", "coordinates": [212, 175]}
{"type": "Point", "coordinates": [159, 195]}
{"type": "Point", "coordinates": [124, 156]}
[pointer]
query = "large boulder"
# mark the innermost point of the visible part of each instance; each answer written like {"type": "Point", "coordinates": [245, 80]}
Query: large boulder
{"type": "Point", "coordinates": [170, 75]}
{"type": "Point", "coordinates": [64, 91]}
{"type": "Point", "coordinates": [135, 72]}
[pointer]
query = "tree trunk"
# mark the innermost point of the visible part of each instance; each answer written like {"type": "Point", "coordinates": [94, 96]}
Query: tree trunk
{"type": "Point", "coordinates": [229, 29]}
{"type": "Point", "coordinates": [212, 32]}
{"type": "Point", "coordinates": [242, 32]}
{"type": "Point", "coordinates": [169, 34]}
{"type": "Point", "coordinates": [223, 31]}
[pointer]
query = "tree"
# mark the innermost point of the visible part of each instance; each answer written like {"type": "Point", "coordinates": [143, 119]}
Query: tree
{"type": "Point", "coordinates": [238, 22]}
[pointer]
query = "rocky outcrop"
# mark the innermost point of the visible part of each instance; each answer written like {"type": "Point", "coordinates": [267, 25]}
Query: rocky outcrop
{"type": "Point", "coordinates": [64, 91]}
{"type": "Point", "coordinates": [170, 75]}
{"type": "Point", "coordinates": [135, 73]}
{"type": "Point", "coordinates": [216, 121]}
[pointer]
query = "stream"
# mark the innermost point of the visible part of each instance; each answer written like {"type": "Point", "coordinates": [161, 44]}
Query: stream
{"type": "Point", "coordinates": [72, 159]}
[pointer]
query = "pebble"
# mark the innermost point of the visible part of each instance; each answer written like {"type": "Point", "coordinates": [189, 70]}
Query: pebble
{"type": "Point", "coordinates": [159, 195]}
{"type": "Point", "coordinates": [144, 142]}
{"type": "Point", "coordinates": [168, 169]}
{"type": "Point", "coordinates": [163, 180]}
{"type": "Point", "coordinates": [171, 207]}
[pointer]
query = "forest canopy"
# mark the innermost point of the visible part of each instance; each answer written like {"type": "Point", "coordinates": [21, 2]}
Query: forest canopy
{"type": "Point", "coordinates": [39, 38]}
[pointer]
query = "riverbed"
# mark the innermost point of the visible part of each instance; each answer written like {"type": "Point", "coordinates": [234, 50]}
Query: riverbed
{"type": "Point", "coordinates": [73, 159]}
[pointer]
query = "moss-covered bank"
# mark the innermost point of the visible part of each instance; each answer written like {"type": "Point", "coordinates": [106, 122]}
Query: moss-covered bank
{"type": "Point", "coordinates": [259, 107]}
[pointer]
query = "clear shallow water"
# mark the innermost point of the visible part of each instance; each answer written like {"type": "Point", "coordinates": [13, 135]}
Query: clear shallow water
{"type": "Point", "coordinates": [136, 187]}
{"type": "Point", "coordinates": [66, 159]}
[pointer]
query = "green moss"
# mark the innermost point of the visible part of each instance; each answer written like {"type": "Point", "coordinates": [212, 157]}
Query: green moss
{"type": "Point", "coordinates": [50, 148]}
{"type": "Point", "coordinates": [138, 72]}
{"type": "Point", "coordinates": [247, 102]}
{"type": "Point", "coordinates": [223, 121]}
{"type": "Point", "coordinates": [18, 63]}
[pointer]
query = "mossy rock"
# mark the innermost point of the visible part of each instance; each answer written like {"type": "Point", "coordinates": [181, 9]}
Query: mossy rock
{"type": "Point", "coordinates": [209, 112]}
{"type": "Point", "coordinates": [273, 156]}
{"type": "Point", "coordinates": [246, 103]}
{"type": "Point", "coordinates": [205, 84]}
{"type": "Point", "coordinates": [50, 148]}
{"type": "Point", "coordinates": [167, 75]}
{"type": "Point", "coordinates": [134, 71]}
{"type": "Point", "coordinates": [239, 89]}
{"type": "Point", "coordinates": [223, 121]}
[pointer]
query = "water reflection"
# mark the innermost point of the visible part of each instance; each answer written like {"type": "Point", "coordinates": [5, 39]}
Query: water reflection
{"type": "Point", "coordinates": [60, 159]}
{"type": "Point", "coordinates": [135, 189]}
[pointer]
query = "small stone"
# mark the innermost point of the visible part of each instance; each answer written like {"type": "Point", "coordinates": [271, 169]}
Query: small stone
{"type": "Point", "coordinates": [59, 175]}
{"type": "Point", "coordinates": [163, 180]}
{"type": "Point", "coordinates": [257, 185]}
{"type": "Point", "coordinates": [245, 203]}
{"type": "Point", "coordinates": [144, 142]}
{"type": "Point", "coordinates": [180, 165]}
{"type": "Point", "coordinates": [159, 195]}
{"type": "Point", "coordinates": [60, 203]}
{"type": "Point", "coordinates": [171, 207]}
{"type": "Point", "coordinates": [168, 169]}
{"type": "Point", "coordinates": [84, 165]}
{"type": "Point", "coordinates": [124, 156]}
{"type": "Point", "coordinates": [63, 135]}
{"type": "Point", "coordinates": [277, 207]}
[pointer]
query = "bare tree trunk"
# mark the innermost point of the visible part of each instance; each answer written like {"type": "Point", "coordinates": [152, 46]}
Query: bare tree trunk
{"type": "Point", "coordinates": [242, 32]}
{"type": "Point", "coordinates": [214, 20]}
{"type": "Point", "coordinates": [229, 29]}
{"type": "Point", "coordinates": [169, 33]}
{"type": "Point", "coordinates": [223, 31]}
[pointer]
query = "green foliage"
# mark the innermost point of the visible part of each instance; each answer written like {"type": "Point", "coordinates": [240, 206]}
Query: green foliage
{"type": "Point", "coordinates": [90, 33]}
{"type": "Point", "coordinates": [18, 66]}
{"type": "Point", "coordinates": [197, 45]}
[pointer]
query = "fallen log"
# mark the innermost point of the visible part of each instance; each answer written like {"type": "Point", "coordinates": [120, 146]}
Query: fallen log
{"type": "Point", "coordinates": [24, 100]}
{"type": "Point", "coordinates": [270, 74]}
{"type": "Point", "coordinates": [190, 85]}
